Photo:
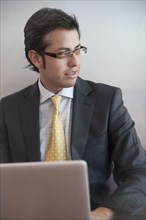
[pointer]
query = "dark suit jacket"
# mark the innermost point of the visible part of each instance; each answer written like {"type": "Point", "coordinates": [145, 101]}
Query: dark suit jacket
{"type": "Point", "coordinates": [103, 134]}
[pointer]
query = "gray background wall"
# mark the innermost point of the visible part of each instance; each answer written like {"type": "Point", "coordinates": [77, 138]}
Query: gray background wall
{"type": "Point", "coordinates": [113, 31]}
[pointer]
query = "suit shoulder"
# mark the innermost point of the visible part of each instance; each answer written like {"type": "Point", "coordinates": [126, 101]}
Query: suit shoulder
{"type": "Point", "coordinates": [19, 94]}
{"type": "Point", "coordinates": [96, 89]}
{"type": "Point", "coordinates": [102, 87]}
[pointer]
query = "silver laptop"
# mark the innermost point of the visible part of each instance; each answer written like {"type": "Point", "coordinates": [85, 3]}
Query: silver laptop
{"type": "Point", "coordinates": [44, 191]}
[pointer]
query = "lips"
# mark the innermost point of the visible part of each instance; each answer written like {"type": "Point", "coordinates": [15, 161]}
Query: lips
{"type": "Point", "coordinates": [71, 74]}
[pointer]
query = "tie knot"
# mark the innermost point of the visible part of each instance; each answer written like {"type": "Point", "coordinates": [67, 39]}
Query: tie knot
{"type": "Point", "coordinates": [56, 101]}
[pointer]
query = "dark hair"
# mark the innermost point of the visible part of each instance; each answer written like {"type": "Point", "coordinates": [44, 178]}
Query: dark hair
{"type": "Point", "coordinates": [41, 23]}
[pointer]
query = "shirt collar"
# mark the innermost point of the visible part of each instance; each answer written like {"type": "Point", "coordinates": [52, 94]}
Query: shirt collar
{"type": "Point", "coordinates": [46, 94]}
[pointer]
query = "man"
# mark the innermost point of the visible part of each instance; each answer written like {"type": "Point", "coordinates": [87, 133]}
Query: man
{"type": "Point", "coordinates": [98, 128]}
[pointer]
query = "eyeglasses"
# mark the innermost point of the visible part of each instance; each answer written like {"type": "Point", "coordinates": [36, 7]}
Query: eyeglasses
{"type": "Point", "coordinates": [67, 53]}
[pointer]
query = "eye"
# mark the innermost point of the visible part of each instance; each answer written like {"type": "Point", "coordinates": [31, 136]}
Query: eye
{"type": "Point", "coordinates": [63, 54]}
{"type": "Point", "coordinates": [77, 51]}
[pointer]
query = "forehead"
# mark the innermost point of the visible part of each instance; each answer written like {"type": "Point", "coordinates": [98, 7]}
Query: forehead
{"type": "Point", "coordinates": [62, 38]}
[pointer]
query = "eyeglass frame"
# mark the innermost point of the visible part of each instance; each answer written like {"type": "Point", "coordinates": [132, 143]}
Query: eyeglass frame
{"type": "Point", "coordinates": [56, 55]}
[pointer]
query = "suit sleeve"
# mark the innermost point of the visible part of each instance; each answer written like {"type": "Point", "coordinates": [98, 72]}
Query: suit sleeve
{"type": "Point", "coordinates": [4, 142]}
{"type": "Point", "coordinates": [129, 159]}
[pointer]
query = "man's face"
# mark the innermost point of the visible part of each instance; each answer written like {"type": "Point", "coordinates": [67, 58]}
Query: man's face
{"type": "Point", "coordinates": [60, 73]}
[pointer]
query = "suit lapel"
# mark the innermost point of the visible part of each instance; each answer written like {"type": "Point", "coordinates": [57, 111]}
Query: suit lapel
{"type": "Point", "coordinates": [29, 118]}
{"type": "Point", "coordinates": [83, 106]}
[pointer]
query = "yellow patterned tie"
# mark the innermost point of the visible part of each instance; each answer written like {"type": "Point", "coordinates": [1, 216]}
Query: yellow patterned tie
{"type": "Point", "coordinates": [56, 149]}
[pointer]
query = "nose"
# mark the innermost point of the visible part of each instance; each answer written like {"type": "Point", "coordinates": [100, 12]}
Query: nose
{"type": "Point", "coordinates": [73, 60]}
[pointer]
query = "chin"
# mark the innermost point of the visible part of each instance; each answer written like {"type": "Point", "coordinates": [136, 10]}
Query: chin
{"type": "Point", "coordinates": [70, 84]}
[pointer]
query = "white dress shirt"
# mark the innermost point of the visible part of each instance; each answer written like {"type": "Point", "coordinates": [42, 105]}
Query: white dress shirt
{"type": "Point", "coordinates": [46, 113]}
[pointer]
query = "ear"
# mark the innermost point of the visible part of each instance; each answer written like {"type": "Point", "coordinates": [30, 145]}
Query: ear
{"type": "Point", "coordinates": [35, 58]}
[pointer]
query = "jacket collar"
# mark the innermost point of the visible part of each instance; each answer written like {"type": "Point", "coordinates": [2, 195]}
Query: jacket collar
{"type": "Point", "coordinates": [29, 118]}
{"type": "Point", "coordinates": [83, 106]}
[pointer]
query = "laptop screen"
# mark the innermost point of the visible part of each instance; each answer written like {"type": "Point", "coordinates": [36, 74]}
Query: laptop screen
{"type": "Point", "coordinates": [44, 190]}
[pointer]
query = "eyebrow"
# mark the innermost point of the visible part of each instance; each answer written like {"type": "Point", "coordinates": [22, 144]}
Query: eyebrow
{"type": "Point", "coordinates": [66, 48]}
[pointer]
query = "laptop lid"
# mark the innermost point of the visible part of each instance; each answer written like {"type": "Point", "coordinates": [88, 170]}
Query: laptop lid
{"type": "Point", "coordinates": [44, 190]}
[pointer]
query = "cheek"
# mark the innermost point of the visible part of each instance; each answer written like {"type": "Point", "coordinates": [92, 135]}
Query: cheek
{"type": "Point", "coordinates": [57, 66]}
